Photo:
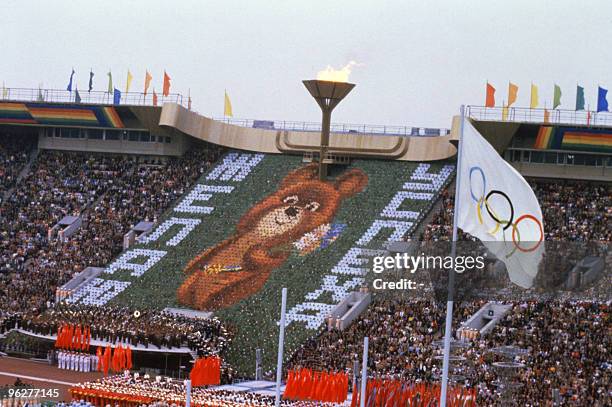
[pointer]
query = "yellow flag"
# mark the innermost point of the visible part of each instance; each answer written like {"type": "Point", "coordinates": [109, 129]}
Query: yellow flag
{"type": "Point", "coordinates": [4, 91]}
{"type": "Point", "coordinates": [512, 92]}
{"type": "Point", "coordinates": [534, 102]}
{"type": "Point", "coordinates": [128, 82]}
{"type": "Point", "coordinates": [227, 108]}
{"type": "Point", "coordinates": [504, 113]}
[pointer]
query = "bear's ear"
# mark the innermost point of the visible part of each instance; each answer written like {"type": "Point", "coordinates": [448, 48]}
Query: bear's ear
{"type": "Point", "coordinates": [306, 173]}
{"type": "Point", "coordinates": [351, 182]}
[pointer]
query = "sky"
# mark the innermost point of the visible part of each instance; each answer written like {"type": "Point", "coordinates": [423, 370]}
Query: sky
{"type": "Point", "coordinates": [417, 61]}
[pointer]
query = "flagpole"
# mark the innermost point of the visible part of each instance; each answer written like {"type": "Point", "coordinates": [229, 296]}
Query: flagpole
{"type": "Point", "coordinates": [364, 372]}
{"type": "Point", "coordinates": [281, 344]}
{"type": "Point", "coordinates": [451, 278]}
{"type": "Point", "coordinates": [187, 393]}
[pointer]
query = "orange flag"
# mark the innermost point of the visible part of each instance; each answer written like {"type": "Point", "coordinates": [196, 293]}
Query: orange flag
{"type": "Point", "coordinates": [166, 88]}
{"type": "Point", "coordinates": [490, 98]}
{"type": "Point", "coordinates": [512, 93]}
{"type": "Point", "coordinates": [147, 82]}
{"type": "Point", "coordinates": [154, 98]}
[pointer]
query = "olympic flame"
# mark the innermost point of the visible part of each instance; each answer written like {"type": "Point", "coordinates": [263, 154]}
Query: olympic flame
{"type": "Point", "coordinates": [336, 75]}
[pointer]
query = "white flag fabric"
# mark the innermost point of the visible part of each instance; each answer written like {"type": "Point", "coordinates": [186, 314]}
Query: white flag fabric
{"type": "Point", "coordinates": [497, 206]}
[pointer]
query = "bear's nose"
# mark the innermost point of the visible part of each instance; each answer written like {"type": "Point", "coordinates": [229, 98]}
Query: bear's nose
{"type": "Point", "coordinates": [291, 211]}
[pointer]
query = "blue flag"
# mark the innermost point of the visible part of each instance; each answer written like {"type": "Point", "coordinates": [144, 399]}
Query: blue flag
{"type": "Point", "coordinates": [91, 74]}
{"type": "Point", "coordinates": [602, 103]}
{"type": "Point", "coordinates": [77, 97]}
{"type": "Point", "coordinates": [69, 87]}
{"type": "Point", "coordinates": [117, 97]}
{"type": "Point", "coordinates": [579, 98]}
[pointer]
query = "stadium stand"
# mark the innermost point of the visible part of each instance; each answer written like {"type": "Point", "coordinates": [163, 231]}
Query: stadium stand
{"type": "Point", "coordinates": [14, 154]}
{"type": "Point", "coordinates": [272, 226]}
{"type": "Point", "coordinates": [568, 341]}
{"type": "Point", "coordinates": [110, 193]}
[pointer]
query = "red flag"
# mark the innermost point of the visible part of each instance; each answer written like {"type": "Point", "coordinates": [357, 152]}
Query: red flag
{"type": "Point", "coordinates": [193, 375]}
{"type": "Point", "coordinates": [154, 98]}
{"type": "Point", "coordinates": [355, 396]}
{"type": "Point", "coordinates": [490, 99]}
{"type": "Point", "coordinates": [166, 89]}
{"type": "Point", "coordinates": [100, 358]}
{"type": "Point", "coordinates": [107, 359]}
{"type": "Point", "coordinates": [128, 354]}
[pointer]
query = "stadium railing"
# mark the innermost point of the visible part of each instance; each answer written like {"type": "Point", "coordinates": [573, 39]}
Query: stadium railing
{"type": "Point", "coordinates": [336, 127]}
{"type": "Point", "coordinates": [94, 97]}
{"type": "Point", "coordinates": [528, 115]}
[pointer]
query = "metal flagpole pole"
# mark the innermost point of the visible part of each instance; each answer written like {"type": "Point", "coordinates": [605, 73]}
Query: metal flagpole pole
{"type": "Point", "coordinates": [188, 391]}
{"type": "Point", "coordinates": [451, 278]}
{"type": "Point", "coordinates": [364, 371]}
{"type": "Point", "coordinates": [281, 344]}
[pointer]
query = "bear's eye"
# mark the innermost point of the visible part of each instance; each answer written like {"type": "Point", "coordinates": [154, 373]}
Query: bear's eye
{"type": "Point", "coordinates": [312, 206]}
{"type": "Point", "coordinates": [293, 199]}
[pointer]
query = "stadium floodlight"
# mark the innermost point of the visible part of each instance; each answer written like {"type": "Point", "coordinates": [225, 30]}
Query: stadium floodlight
{"type": "Point", "coordinates": [327, 94]}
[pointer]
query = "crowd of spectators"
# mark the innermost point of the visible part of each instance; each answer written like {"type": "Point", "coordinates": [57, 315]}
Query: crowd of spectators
{"type": "Point", "coordinates": [110, 193]}
{"type": "Point", "coordinates": [572, 211]}
{"type": "Point", "coordinates": [401, 336]}
{"type": "Point", "coordinates": [15, 151]}
{"type": "Point", "coordinates": [148, 328]}
{"type": "Point", "coordinates": [568, 342]}
{"type": "Point", "coordinates": [568, 346]}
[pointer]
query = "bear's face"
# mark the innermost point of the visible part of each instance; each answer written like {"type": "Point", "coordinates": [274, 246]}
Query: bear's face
{"type": "Point", "coordinates": [297, 207]}
{"type": "Point", "coordinates": [301, 204]}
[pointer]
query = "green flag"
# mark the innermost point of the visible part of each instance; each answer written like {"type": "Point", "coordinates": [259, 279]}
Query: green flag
{"type": "Point", "coordinates": [557, 97]}
{"type": "Point", "coordinates": [579, 98]}
{"type": "Point", "coordinates": [110, 83]}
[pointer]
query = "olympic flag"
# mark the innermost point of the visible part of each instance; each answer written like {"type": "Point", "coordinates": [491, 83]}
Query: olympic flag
{"type": "Point", "coordinates": [497, 206]}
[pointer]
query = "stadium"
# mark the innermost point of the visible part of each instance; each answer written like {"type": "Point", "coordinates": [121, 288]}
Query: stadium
{"type": "Point", "coordinates": [152, 255]}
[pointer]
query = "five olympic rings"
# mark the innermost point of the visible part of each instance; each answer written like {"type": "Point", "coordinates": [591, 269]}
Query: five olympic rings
{"type": "Point", "coordinates": [483, 200]}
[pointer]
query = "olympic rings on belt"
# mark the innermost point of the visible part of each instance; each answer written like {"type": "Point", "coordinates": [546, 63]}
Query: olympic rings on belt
{"type": "Point", "coordinates": [506, 223]}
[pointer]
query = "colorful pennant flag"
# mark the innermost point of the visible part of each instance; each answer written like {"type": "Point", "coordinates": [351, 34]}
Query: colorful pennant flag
{"type": "Point", "coordinates": [154, 98]}
{"type": "Point", "coordinates": [116, 97]}
{"type": "Point", "coordinates": [69, 87]}
{"type": "Point", "coordinates": [166, 88]}
{"type": "Point", "coordinates": [490, 98]}
{"type": "Point", "coordinates": [504, 112]}
{"type": "Point", "coordinates": [512, 93]}
{"type": "Point", "coordinates": [534, 100]}
{"type": "Point", "coordinates": [602, 102]}
{"type": "Point", "coordinates": [4, 91]}
{"type": "Point", "coordinates": [557, 97]}
{"type": "Point", "coordinates": [579, 97]}
{"type": "Point", "coordinates": [546, 116]}
{"type": "Point", "coordinates": [110, 83]}
{"type": "Point", "coordinates": [91, 75]}
{"type": "Point", "coordinates": [77, 97]}
{"type": "Point", "coordinates": [227, 106]}
{"type": "Point", "coordinates": [128, 81]}
{"type": "Point", "coordinates": [147, 82]}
